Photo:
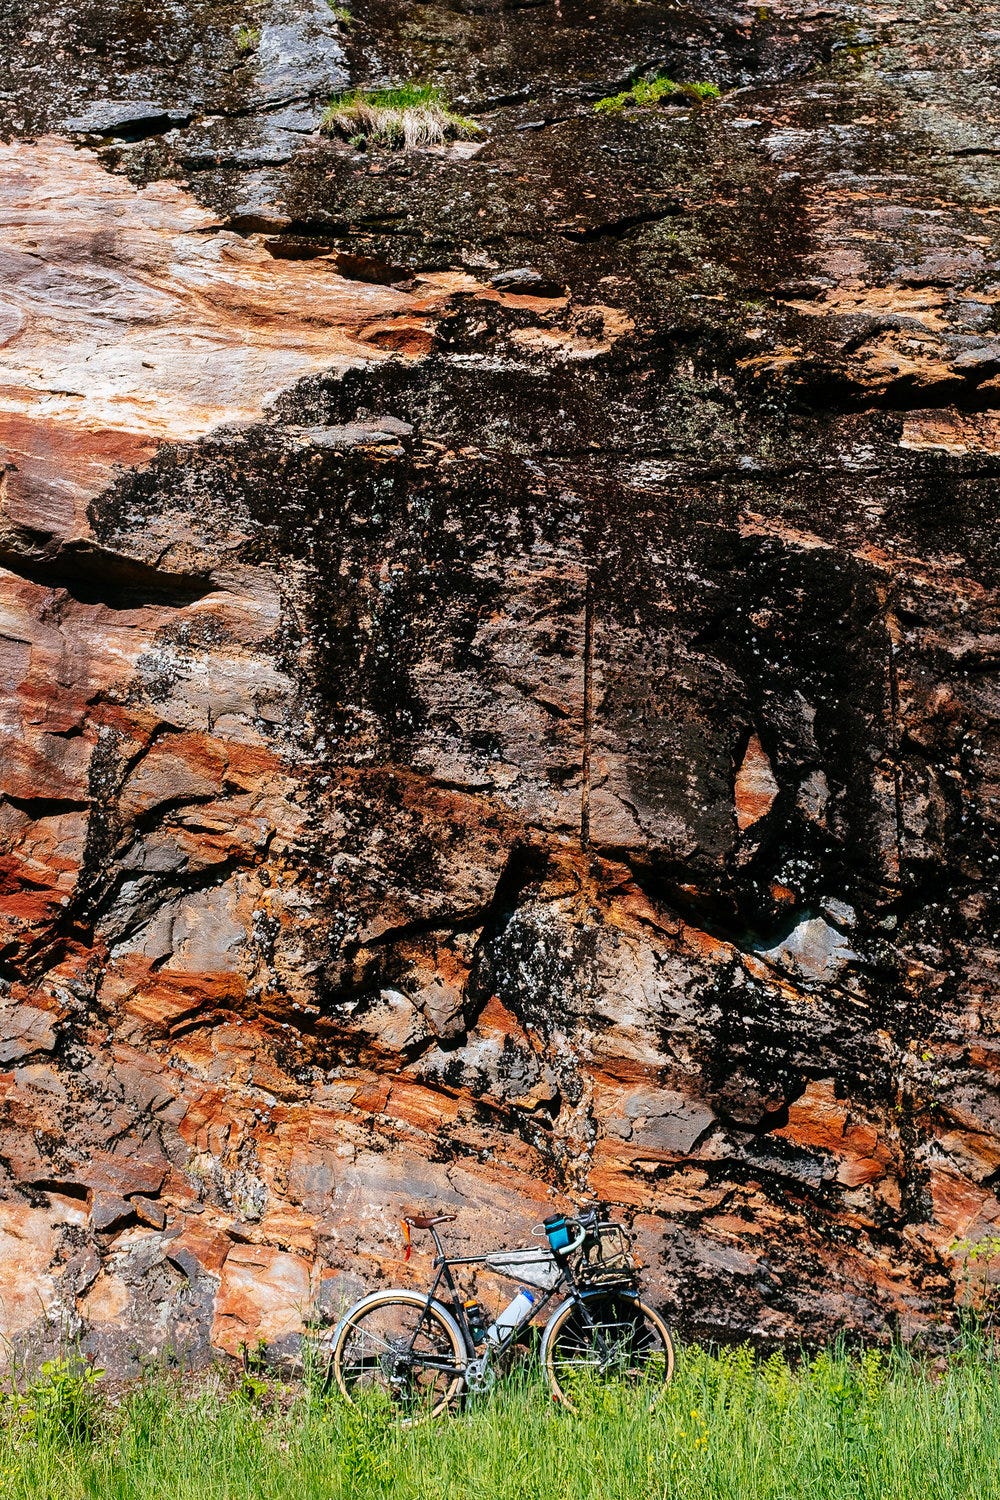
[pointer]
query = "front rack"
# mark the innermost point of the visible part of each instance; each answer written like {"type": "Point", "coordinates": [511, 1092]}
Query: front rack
{"type": "Point", "coordinates": [606, 1258]}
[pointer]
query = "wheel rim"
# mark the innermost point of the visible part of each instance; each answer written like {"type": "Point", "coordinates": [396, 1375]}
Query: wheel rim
{"type": "Point", "coordinates": [628, 1346]}
{"type": "Point", "coordinates": [398, 1349]}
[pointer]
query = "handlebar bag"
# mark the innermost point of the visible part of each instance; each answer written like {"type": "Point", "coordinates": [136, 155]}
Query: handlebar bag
{"type": "Point", "coordinates": [558, 1231]}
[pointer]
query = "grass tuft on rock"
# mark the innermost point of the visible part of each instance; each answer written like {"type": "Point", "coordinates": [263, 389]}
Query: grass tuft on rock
{"type": "Point", "coordinates": [653, 91]}
{"type": "Point", "coordinates": [247, 39]}
{"type": "Point", "coordinates": [404, 118]}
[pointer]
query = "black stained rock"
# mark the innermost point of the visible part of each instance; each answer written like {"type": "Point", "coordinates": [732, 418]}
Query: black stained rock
{"type": "Point", "coordinates": [527, 280]}
{"type": "Point", "coordinates": [127, 120]}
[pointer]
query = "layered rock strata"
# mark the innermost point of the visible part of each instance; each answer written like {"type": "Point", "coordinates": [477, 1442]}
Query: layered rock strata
{"type": "Point", "coordinates": [499, 661]}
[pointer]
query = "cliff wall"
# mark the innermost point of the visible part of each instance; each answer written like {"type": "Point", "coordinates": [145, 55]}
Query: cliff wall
{"type": "Point", "coordinates": [499, 658]}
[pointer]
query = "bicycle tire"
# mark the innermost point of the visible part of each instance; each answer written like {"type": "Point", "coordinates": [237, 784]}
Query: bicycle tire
{"type": "Point", "coordinates": [355, 1365]}
{"type": "Point", "coordinates": [633, 1344]}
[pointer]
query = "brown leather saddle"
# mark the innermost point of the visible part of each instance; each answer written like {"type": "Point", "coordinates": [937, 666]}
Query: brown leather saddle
{"type": "Point", "coordinates": [427, 1221]}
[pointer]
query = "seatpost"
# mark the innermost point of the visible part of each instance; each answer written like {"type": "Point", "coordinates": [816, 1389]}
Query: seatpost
{"type": "Point", "coordinates": [438, 1247]}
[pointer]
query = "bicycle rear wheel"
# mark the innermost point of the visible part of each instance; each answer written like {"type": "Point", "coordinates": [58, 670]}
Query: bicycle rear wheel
{"type": "Point", "coordinates": [395, 1343]}
{"type": "Point", "coordinates": [617, 1338]}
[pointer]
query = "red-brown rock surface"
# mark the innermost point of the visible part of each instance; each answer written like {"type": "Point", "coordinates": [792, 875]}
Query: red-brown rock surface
{"type": "Point", "coordinates": [499, 652]}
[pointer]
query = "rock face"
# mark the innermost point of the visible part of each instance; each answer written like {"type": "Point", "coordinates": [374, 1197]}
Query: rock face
{"type": "Point", "coordinates": [499, 660]}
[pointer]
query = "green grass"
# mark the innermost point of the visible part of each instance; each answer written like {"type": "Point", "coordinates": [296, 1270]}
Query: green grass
{"type": "Point", "coordinates": [879, 1427]}
{"type": "Point", "coordinates": [645, 93]}
{"type": "Point", "coordinates": [407, 117]}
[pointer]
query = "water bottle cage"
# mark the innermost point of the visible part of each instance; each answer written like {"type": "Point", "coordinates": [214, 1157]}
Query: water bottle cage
{"type": "Point", "coordinates": [476, 1319]}
{"type": "Point", "coordinates": [510, 1320]}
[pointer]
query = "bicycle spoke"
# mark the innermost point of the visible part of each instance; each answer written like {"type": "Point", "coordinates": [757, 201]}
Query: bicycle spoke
{"type": "Point", "coordinates": [611, 1338]}
{"type": "Point", "coordinates": [402, 1349]}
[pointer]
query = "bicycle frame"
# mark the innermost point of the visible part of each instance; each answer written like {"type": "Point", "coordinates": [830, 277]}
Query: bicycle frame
{"type": "Point", "coordinates": [442, 1267]}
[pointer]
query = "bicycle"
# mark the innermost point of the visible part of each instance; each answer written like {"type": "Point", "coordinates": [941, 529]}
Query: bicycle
{"type": "Point", "coordinates": [427, 1352]}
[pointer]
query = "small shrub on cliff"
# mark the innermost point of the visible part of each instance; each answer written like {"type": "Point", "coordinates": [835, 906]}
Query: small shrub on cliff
{"type": "Point", "coordinates": [653, 91]}
{"type": "Point", "coordinates": [978, 1278]}
{"type": "Point", "coordinates": [408, 117]}
{"type": "Point", "coordinates": [247, 39]}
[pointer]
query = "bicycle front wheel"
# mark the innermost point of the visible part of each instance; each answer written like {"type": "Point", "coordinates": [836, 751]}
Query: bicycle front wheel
{"type": "Point", "coordinates": [606, 1336]}
{"type": "Point", "coordinates": [397, 1343]}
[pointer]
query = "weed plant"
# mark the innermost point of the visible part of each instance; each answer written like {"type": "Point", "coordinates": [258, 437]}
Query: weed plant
{"type": "Point", "coordinates": [59, 1407]}
{"type": "Point", "coordinates": [653, 91]}
{"type": "Point", "coordinates": [247, 39]}
{"type": "Point", "coordinates": [873, 1427]}
{"type": "Point", "coordinates": [407, 117]}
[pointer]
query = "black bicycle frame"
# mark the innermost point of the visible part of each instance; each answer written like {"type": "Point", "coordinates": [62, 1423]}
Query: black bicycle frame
{"type": "Point", "coordinates": [442, 1266]}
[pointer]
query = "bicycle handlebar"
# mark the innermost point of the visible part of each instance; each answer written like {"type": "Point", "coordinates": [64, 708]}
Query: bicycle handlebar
{"type": "Point", "coordinates": [574, 1244]}
{"type": "Point", "coordinates": [582, 1230]}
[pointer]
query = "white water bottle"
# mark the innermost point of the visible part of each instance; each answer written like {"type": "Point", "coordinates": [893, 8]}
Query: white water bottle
{"type": "Point", "coordinates": [511, 1318]}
